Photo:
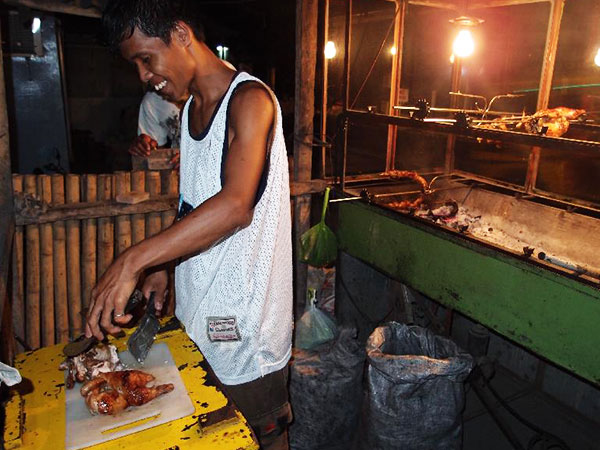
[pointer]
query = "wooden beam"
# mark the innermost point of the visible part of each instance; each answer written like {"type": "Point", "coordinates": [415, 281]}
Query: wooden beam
{"type": "Point", "coordinates": [107, 208]}
{"type": "Point", "coordinates": [7, 224]}
{"type": "Point", "coordinates": [306, 59]}
{"type": "Point", "coordinates": [497, 3]}
{"type": "Point", "coordinates": [59, 6]}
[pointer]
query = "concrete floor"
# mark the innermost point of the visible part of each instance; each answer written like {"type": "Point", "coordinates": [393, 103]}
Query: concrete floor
{"type": "Point", "coordinates": [482, 433]}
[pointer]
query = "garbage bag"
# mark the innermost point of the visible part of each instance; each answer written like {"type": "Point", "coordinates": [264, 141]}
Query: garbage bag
{"type": "Point", "coordinates": [415, 390]}
{"type": "Point", "coordinates": [318, 246]}
{"type": "Point", "coordinates": [326, 392]}
{"type": "Point", "coordinates": [314, 327]}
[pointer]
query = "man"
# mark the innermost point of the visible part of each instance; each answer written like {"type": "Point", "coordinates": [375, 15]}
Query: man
{"type": "Point", "coordinates": [234, 281]}
{"type": "Point", "coordinates": [158, 124]}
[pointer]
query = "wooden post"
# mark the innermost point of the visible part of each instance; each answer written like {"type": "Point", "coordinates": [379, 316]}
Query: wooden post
{"type": "Point", "coordinates": [6, 224]}
{"type": "Point", "coordinates": [306, 57]}
{"type": "Point", "coordinates": [89, 236]}
{"type": "Point", "coordinates": [18, 288]}
{"type": "Point", "coordinates": [153, 220]}
{"type": "Point", "coordinates": [74, 260]}
{"type": "Point", "coordinates": [138, 222]}
{"type": "Point", "coordinates": [106, 229]}
{"type": "Point", "coordinates": [47, 267]}
{"type": "Point", "coordinates": [32, 286]}
{"type": "Point", "coordinates": [61, 306]}
{"type": "Point", "coordinates": [556, 12]}
{"type": "Point", "coordinates": [123, 223]}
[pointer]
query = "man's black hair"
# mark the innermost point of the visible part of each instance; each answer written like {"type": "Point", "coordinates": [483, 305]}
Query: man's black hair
{"type": "Point", "coordinates": [155, 18]}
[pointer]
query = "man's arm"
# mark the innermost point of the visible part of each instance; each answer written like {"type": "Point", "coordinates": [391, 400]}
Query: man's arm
{"type": "Point", "coordinates": [251, 118]}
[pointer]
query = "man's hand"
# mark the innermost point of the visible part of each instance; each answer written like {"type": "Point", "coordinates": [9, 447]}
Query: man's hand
{"type": "Point", "coordinates": [142, 145]}
{"type": "Point", "coordinates": [156, 282]}
{"type": "Point", "coordinates": [175, 160]}
{"type": "Point", "coordinates": [110, 296]}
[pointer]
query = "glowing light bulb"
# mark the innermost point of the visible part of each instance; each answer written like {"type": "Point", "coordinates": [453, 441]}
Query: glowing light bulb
{"type": "Point", "coordinates": [330, 50]}
{"type": "Point", "coordinates": [597, 58]}
{"type": "Point", "coordinates": [393, 50]}
{"type": "Point", "coordinates": [463, 44]}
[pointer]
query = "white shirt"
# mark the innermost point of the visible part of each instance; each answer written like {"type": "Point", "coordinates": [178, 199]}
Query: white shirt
{"type": "Point", "coordinates": [240, 289]}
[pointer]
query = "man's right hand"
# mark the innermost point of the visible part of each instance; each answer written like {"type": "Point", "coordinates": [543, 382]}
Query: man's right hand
{"type": "Point", "coordinates": [156, 282]}
{"type": "Point", "coordinates": [142, 145]}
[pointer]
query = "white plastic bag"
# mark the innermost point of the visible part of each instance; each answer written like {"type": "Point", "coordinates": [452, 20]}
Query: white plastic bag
{"type": "Point", "coordinates": [314, 327]}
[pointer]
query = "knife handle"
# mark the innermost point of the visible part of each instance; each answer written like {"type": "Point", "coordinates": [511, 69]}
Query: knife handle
{"type": "Point", "coordinates": [150, 308]}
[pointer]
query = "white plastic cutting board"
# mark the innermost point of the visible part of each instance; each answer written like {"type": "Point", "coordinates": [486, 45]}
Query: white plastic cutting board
{"type": "Point", "coordinates": [84, 430]}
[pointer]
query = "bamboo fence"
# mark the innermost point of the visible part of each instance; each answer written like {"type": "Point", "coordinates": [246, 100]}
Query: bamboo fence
{"type": "Point", "coordinates": [69, 230]}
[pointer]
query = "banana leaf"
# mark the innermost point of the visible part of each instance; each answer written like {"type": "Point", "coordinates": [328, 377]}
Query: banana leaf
{"type": "Point", "coordinates": [318, 246]}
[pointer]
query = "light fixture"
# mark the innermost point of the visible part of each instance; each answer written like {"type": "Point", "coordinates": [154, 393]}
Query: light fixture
{"type": "Point", "coordinates": [222, 51]}
{"type": "Point", "coordinates": [597, 58]}
{"type": "Point", "coordinates": [393, 50]}
{"type": "Point", "coordinates": [36, 24]}
{"type": "Point", "coordinates": [330, 50]}
{"type": "Point", "coordinates": [464, 45]}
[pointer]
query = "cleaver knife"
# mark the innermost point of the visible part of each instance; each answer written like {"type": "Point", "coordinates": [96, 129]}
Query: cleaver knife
{"type": "Point", "coordinates": [141, 340]}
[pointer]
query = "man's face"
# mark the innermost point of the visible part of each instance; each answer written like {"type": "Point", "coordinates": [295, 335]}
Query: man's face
{"type": "Point", "coordinates": [168, 69]}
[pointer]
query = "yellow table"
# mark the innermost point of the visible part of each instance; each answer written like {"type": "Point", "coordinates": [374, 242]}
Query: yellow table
{"type": "Point", "coordinates": [35, 413]}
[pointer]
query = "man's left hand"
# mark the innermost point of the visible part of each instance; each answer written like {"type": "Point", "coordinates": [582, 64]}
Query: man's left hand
{"type": "Point", "coordinates": [110, 297]}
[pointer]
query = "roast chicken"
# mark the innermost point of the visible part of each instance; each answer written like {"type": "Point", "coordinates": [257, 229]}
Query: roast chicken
{"type": "Point", "coordinates": [112, 392]}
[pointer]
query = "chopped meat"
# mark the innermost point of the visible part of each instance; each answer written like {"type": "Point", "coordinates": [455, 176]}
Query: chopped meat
{"type": "Point", "coordinates": [99, 359]}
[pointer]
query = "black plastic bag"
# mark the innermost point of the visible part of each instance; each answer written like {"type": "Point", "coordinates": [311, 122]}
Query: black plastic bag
{"type": "Point", "coordinates": [326, 393]}
{"type": "Point", "coordinates": [415, 390]}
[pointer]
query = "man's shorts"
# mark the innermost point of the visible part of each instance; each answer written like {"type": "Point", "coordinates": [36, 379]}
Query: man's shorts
{"type": "Point", "coordinates": [264, 403]}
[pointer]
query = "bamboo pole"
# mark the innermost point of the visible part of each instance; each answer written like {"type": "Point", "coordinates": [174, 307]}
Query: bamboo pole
{"type": "Point", "coordinates": [153, 220]}
{"type": "Point", "coordinates": [47, 267]}
{"type": "Point", "coordinates": [171, 189]}
{"type": "Point", "coordinates": [106, 229]}
{"type": "Point", "coordinates": [18, 289]}
{"type": "Point", "coordinates": [88, 248]}
{"type": "Point", "coordinates": [138, 222]}
{"type": "Point", "coordinates": [61, 306]}
{"type": "Point", "coordinates": [74, 259]}
{"type": "Point", "coordinates": [123, 223]}
{"type": "Point", "coordinates": [32, 287]}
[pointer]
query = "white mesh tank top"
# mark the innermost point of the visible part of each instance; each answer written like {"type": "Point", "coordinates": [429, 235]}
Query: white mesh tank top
{"type": "Point", "coordinates": [235, 299]}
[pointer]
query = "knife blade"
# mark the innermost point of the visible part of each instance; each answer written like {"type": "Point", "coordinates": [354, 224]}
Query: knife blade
{"type": "Point", "coordinates": [141, 340]}
{"type": "Point", "coordinates": [83, 344]}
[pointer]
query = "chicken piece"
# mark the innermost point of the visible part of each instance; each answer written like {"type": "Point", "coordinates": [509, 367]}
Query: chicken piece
{"type": "Point", "coordinates": [99, 359]}
{"type": "Point", "coordinates": [132, 385]}
{"type": "Point", "coordinates": [112, 392]}
{"type": "Point", "coordinates": [108, 402]}
{"type": "Point", "coordinates": [410, 175]}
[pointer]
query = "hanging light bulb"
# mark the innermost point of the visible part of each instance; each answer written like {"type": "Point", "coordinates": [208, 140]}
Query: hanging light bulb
{"type": "Point", "coordinates": [597, 58]}
{"type": "Point", "coordinates": [393, 50]}
{"type": "Point", "coordinates": [330, 50]}
{"type": "Point", "coordinates": [464, 45]}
